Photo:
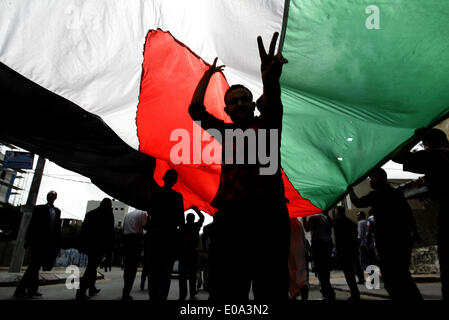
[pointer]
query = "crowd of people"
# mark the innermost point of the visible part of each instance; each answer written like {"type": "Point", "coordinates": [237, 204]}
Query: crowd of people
{"type": "Point", "coordinates": [252, 242]}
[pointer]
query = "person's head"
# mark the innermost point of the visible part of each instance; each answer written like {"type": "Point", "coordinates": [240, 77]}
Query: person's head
{"type": "Point", "coordinates": [239, 103]}
{"type": "Point", "coordinates": [361, 215]}
{"type": "Point", "coordinates": [51, 197]}
{"type": "Point", "coordinates": [378, 178]}
{"type": "Point", "coordinates": [370, 213]}
{"type": "Point", "coordinates": [170, 178]}
{"type": "Point", "coordinates": [106, 203]}
{"type": "Point", "coordinates": [434, 138]}
{"type": "Point", "coordinates": [190, 218]}
{"type": "Point", "coordinates": [340, 212]}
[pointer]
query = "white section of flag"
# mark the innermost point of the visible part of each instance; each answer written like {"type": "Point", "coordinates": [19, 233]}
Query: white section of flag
{"type": "Point", "coordinates": [91, 52]}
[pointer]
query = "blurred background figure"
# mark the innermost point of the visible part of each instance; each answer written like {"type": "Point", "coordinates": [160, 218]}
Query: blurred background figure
{"type": "Point", "coordinates": [321, 229]}
{"type": "Point", "coordinates": [362, 236]}
{"type": "Point", "coordinates": [188, 255]}
{"type": "Point", "coordinates": [132, 248]}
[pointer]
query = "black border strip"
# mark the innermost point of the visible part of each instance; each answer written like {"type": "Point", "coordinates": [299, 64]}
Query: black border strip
{"type": "Point", "coordinates": [284, 25]}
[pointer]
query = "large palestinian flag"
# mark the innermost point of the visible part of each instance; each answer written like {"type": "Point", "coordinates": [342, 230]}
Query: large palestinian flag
{"type": "Point", "coordinates": [98, 86]}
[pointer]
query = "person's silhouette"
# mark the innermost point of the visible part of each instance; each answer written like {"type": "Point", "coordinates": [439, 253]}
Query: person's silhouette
{"type": "Point", "coordinates": [165, 216]}
{"type": "Point", "coordinates": [43, 238]}
{"type": "Point", "coordinates": [252, 227]}
{"type": "Point", "coordinates": [96, 240]}
{"type": "Point", "coordinates": [395, 233]}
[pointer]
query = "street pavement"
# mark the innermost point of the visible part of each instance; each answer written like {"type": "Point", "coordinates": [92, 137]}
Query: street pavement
{"type": "Point", "coordinates": [111, 284]}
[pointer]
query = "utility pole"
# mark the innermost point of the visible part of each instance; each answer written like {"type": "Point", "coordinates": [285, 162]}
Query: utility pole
{"type": "Point", "coordinates": [19, 250]}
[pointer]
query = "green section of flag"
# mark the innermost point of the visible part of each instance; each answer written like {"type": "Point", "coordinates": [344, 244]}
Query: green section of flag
{"type": "Point", "coordinates": [352, 94]}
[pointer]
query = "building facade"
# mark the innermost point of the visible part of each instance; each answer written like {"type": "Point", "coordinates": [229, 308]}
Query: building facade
{"type": "Point", "coordinates": [12, 181]}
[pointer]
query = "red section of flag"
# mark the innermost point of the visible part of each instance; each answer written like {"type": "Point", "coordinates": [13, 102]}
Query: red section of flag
{"type": "Point", "coordinates": [170, 75]}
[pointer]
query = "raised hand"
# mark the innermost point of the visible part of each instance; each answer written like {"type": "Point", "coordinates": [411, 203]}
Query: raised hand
{"type": "Point", "coordinates": [271, 64]}
{"type": "Point", "coordinates": [214, 68]}
{"type": "Point", "coordinates": [200, 91]}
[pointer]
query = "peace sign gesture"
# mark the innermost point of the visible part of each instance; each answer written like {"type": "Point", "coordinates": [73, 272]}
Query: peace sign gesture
{"type": "Point", "coordinates": [271, 64]}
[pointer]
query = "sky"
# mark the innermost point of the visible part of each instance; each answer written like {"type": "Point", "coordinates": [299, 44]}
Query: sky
{"type": "Point", "coordinates": [74, 190]}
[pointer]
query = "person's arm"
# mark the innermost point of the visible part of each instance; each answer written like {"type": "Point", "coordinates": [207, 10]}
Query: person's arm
{"type": "Point", "coordinates": [363, 202]}
{"type": "Point", "coordinates": [197, 110]}
{"type": "Point", "coordinates": [200, 91]}
{"type": "Point", "coordinates": [200, 215]}
{"type": "Point", "coordinates": [271, 68]}
{"type": "Point", "coordinates": [402, 154]}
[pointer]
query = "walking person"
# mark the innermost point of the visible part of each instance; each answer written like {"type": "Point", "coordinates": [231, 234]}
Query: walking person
{"type": "Point", "coordinates": [43, 238]}
{"type": "Point", "coordinates": [132, 248]}
{"type": "Point", "coordinates": [96, 240]}
{"type": "Point", "coordinates": [434, 163]}
{"type": "Point", "coordinates": [395, 234]}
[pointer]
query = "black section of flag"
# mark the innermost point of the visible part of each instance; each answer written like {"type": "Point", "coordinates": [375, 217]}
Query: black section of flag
{"type": "Point", "coordinates": [42, 122]}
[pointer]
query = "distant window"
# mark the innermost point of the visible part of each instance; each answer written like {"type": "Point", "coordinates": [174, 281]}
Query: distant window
{"type": "Point", "coordinates": [116, 208]}
{"type": "Point", "coordinates": [121, 208]}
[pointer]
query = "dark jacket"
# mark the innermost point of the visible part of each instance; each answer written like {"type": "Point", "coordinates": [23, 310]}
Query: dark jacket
{"type": "Point", "coordinates": [41, 233]}
{"type": "Point", "coordinates": [97, 231]}
{"type": "Point", "coordinates": [346, 236]}
{"type": "Point", "coordinates": [44, 234]}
